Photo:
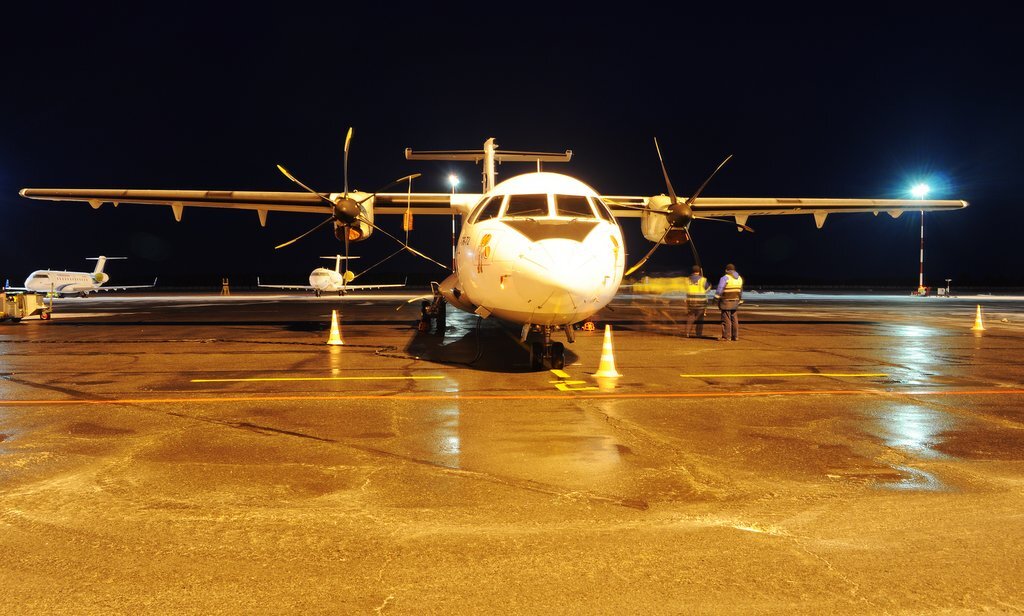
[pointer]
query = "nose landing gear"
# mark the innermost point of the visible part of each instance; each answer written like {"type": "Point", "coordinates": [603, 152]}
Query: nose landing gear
{"type": "Point", "coordinates": [547, 353]}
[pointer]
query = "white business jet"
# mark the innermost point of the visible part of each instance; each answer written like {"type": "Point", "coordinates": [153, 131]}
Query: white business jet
{"type": "Point", "coordinates": [541, 250]}
{"type": "Point", "coordinates": [62, 283]}
{"type": "Point", "coordinates": [323, 280]}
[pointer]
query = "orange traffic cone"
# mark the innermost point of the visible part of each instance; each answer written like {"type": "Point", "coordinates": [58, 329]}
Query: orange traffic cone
{"type": "Point", "coordinates": [335, 337]}
{"type": "Point", "coordinates": [978, 326]}
{"type": "Point", "coordinates": [607, 366]}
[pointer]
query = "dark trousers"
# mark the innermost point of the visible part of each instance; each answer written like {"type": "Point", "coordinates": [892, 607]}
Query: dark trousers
{"type": "Point", "coordinates": [694, 315]}
{"type": "Point", "coordinates": [730, 324]}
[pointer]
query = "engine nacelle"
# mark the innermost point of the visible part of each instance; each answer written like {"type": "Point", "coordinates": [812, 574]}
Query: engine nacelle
{"type": "Point", "coordinates": [655, 225]}
{"type": "Point", "coordinates": [360, 228]}
{"type": "Point", "coordinates": [100, 277]}
{"type": "Point", "coordinates": [451, 291]}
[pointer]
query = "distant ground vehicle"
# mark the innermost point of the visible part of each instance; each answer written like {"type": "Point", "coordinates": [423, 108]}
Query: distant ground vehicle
{"type": "Point", "coordinates": [18, 305]}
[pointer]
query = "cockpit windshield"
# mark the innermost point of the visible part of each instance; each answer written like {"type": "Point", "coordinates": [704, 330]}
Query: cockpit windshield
{"type": "Point", "coordinates": [575, 206]}
{"type": "Point", "coordinates": [488, 210]}
{"type": "Point", "coordinates": [527, 205]}
{"type": "Point", "coordinates": [602, 209]}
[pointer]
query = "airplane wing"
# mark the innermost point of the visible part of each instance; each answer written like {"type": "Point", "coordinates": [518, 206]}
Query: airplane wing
{"type": "Point", "coordinates": [365, 287]}
{"type": "Point", "coordinates": [261, 202]}
{"type": "Point", "coordinates": [742, 208]}
{"type": "Point", "coordinates": [122, 288]}
{"type": "Point", "coordinates": [348, 287]}
{"type": "Point", "coordinates": [298, 287]}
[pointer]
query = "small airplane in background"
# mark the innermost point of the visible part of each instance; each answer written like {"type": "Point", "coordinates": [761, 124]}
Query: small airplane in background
{"type": "Point", "coordinates": [62, 283]}
{"type": "Point", "coordinates": [323, 280]}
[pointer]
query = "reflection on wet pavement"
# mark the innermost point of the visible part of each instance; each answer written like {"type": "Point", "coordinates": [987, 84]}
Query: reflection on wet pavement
{"type": "Point", "coordinates": [918, 480]}
{"type": "Point", "coordinates": [445, 442]}
{"type": "Point", "coordinates": [914, 429]}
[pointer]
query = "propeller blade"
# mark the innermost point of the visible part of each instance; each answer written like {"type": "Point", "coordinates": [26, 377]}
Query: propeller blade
{"type": "Point", "coordinates": [701, 189]}
{"type": "Point", "coordinates": [650, 252]}
{"type": "Point", "coordinates": [693, 248]}
{"type": "Point", "coordinates": [400, 250]}
{"type": "Point", "coordinates": [725, 220]}
{"type": "Point", "coordinates": [296, 180]}
{"type": "Point", "coordinates": [348, 140]}
{"type": "Point", "coordinates": [289, 242]}
{"type": "Point", "coordinates": [398, 181]}
{"type": "Point", "coordinates": [668, 184]}
{"type": "Point", "coordinates": [404, 245]}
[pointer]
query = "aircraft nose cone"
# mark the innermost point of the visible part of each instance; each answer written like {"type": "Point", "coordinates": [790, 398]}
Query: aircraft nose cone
{"type": "Point", "coordinates": [554, 265]}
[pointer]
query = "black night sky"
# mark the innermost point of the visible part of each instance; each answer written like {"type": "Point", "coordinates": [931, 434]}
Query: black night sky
{"type": "Point", "coordinates": [857, 104]}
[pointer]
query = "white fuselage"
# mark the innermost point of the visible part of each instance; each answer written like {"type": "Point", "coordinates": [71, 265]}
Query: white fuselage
{"type": "Point", "coordinates": [542, 249]}
{"type": "Point", "coordinates": [62, 282]}
{"type": "Point", "coordinates": [326, 280]}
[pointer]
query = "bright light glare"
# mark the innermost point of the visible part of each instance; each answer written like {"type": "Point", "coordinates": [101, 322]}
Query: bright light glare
{"type": "Point", "coordinates": [453, 180]}
{"type": "Point", "coordinates": [920, 191]}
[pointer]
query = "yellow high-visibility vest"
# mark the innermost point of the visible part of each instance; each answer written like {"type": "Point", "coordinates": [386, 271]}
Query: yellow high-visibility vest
{"type": "Point", "coordinates": [733, 287]}
{"type": "Point", "coordinates": [698, 289]}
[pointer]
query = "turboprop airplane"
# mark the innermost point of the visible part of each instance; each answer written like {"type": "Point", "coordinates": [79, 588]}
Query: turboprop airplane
{"type": "Point", "coordinates": [62, 283]}
{"type": "Point", "coordinates": [323, 280]}
{"type": "Point", "coordinates": [541, 250]}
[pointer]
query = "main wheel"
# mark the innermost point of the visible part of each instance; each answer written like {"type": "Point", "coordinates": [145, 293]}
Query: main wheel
{"type": "Point", "coordinates": [440, 317]}
{"type": "Point", "coordinates": [537, 356]}
{"type": "Point", "coordinates": [557, 356]}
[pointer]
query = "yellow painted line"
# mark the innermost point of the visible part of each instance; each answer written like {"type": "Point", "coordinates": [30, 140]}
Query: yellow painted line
{"type": "Point", "coordinates": [750, 374]}
{"type": "Point", "coordinates": [320, 378]}
{"type": "Point", "coordinates": [553, 396]}
{"type": "Point", "coordinates": [562, 374]}
{"type": "Point", "coordinates": [571, 386]}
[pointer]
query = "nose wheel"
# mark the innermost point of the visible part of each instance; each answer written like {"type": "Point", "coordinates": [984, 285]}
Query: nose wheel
{"type": "Point", "coordinates": [546, 353]}
{"type": "Point", "coordinates": [552, 355]}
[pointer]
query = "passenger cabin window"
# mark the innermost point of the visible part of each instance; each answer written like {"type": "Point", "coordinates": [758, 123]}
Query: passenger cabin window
{"type": "Point", "coordinates": [488, 210]}
{"type": "Point", "coordinates": [602, 209]}
{"type": "Point", "coordinates": [527, 205]}
{"type": "Point", "coordinates": [575, 206]}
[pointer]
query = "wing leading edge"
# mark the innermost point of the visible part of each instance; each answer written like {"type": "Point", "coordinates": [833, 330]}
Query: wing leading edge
{"type": "Point", "coordinates": [260, 201]}
{"type": "Point", "coordinates": [743, 207]}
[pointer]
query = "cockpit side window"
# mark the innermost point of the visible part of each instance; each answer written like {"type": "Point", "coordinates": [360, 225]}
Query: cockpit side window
{"type": "Point", "coordinates": [602, 209]}
{"type": "Point", "coordinates": [573, 205]}
{"type": "Point", "coordinates": [527, 205]}
{"type": "Point", "coordinates": [488, 210]}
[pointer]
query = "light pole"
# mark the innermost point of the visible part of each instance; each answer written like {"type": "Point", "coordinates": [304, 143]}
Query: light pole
{"type": "Point", "coordinates": [453, 180]}
{"type": "Point", "coordinates": [920, 191]}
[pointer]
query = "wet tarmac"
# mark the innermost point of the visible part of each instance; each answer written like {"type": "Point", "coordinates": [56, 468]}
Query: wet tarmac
{"type": "Point", "coordinates": [200, 454]}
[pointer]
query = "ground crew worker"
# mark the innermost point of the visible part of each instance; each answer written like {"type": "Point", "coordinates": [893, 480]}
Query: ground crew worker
{"type": "Point", "coordinates": [697, 288]}
{"type": "Point", "coordinates": [730, 295]}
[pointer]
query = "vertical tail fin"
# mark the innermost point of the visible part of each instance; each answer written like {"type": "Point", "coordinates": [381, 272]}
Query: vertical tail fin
{"type": "Point", "coordinates": [97, 273]}
{"type": "Point", "coordinates": [100, 262]}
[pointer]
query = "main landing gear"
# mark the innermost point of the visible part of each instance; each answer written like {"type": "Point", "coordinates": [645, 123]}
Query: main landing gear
{"type": "Point", "coordinates": [546, 352]}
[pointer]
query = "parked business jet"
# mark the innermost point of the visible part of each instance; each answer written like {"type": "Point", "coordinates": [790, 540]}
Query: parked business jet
{"type": "Point", "coordinates": [541, 250]}
{"type": "Point", "coordinates": [62, 283]}
{"type": "Point", "coordinates": [323, 280]}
